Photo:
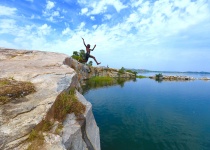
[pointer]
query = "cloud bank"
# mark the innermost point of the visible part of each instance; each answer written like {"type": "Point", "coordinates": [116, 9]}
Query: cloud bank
{"type": "Point", "coordinates": [156, 35]}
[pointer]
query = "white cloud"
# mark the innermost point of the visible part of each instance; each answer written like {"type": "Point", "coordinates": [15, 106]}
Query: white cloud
{"type": "Point", "coordinates": [55, 14]}
{"type": "Point", "coordinates": [7, 44]}
{"type": "Point", "coordinates": [160, 20]}
{"type": "Point", "coordinates": [8, 26]}
{"type": "Point", "coordinates": [81, 26]}
{"type": "Point", "coordinates": [27, 36]}
{"type": "Point", "coordinates": [52, 14]}
{"type": "Point", "coordinates": [117, 4]}
{"type": "Point", "coordinates": [135, 3]}
{"type": "Point", "coordinates": [7, 11]}
{"type": "Point", "coordinates": [144, 9]}
{"type": "Point", "coordinates": [66, 31]}
{"type": "Point", "coordinates": [44, 29]}
{"type": "Point", "coordinates": [133, 18]}
{"type": "Point", "coordinates": [94, 26]}
{"type": "Point", "coordinates": [82, 1]}
{"type": "Point", "coordinates": [101, 6]}
{"type": "Point", "coordinates": [84, 10]}
{"type": "Point", "coordinates": [50, 5]}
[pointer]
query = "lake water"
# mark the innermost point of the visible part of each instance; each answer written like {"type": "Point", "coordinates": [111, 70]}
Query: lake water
{"type": "Point", "coordinates": [150, 115]}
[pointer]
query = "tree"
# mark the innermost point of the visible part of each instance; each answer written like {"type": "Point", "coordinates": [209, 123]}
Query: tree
{"type": "Point", "coordinates": [79, 55]}
{"type": "Point", "coordinates": [122, 70]}
{"type": "Point", "coordinates": [90, 63]}
{"type": "Point", "coordinates": [75, 53]}
{"type": "Point", "coordinates": [82, 54]}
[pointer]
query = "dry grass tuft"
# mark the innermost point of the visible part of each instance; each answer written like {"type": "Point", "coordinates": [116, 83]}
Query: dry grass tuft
{"type": "Point", "coordinates": [47, 125]}
{"type": "Point", "coordinates": [59, 129]}
{"type": "Point", "coordinates": [3, 99]}
{"type": "Point", "coordinates": [14, 89]}
{"type": "Point", "coordinates": [36, 136]}
{"type": "Point", "coordinates": [37, 140]}
{"type": "Point", "coordinates": [68, 103]}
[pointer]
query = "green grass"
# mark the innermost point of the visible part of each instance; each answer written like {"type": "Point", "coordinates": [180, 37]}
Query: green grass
{"type": "Point", "coordinates": [140, 77]}
{"type": "Point", "coordinates": [101, 79]}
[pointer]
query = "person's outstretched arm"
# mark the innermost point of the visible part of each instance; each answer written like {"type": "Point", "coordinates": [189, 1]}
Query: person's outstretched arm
{"type": "Point", "coordinates": [84, 42]}
{"type": "Point", "coordinates": [93, 48]}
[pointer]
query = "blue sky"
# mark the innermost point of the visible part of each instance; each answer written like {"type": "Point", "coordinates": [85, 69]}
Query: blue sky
{"type": "Point", "coordinates": [169, 35]}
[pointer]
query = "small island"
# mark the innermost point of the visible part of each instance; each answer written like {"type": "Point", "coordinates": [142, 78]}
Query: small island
{"type": "Point", "coordinates": [161, 77]}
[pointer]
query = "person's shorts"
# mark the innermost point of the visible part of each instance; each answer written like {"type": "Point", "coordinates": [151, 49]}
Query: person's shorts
{"type": "Point", "coordinates": [87, 55]}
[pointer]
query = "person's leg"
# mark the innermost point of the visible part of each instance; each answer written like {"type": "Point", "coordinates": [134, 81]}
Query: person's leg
{"type": "Point", "coordinates": [94, 59]}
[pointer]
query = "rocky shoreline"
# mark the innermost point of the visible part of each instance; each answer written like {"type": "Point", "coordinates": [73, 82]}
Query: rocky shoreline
{"type": "Point", "coordinates": [178, 78]}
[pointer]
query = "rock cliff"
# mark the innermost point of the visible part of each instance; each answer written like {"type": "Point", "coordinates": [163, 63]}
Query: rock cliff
{"type": "Point", "coordinates": [51, 75]}
{"type": "Point", "coordinates": [86, 72]}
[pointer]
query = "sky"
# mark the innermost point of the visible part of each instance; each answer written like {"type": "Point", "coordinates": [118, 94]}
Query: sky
{"type": "Point", "coordinates": [172, 35]}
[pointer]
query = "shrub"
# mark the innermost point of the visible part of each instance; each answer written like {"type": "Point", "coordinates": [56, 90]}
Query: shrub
{"type": "Point", "coordinates": [159, 75]}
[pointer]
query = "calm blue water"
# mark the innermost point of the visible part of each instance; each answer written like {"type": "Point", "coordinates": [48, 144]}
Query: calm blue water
{"type": "Point", "coordinates": [148, 115]}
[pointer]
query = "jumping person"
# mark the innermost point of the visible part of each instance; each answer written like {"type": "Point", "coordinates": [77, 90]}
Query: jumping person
{"type": "Point", "coordinates": [87, 55]}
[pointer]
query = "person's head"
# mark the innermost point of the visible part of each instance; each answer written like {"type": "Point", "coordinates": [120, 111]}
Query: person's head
{"type": "Point", "coordinates": [88, 46]}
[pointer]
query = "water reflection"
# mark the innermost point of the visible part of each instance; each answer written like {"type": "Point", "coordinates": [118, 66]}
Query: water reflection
{"type": "Point", "coordinates": [88, 84]}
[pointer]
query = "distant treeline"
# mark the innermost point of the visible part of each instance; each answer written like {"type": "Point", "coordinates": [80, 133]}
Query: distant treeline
{"type": "Point", "coordinates": [144, 70]}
